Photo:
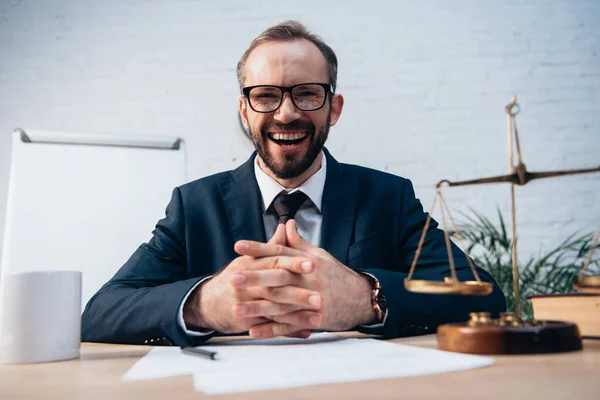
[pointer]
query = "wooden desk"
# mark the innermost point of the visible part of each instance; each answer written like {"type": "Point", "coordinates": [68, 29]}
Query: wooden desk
{"type": "Point", "coordinates": [99, 371]}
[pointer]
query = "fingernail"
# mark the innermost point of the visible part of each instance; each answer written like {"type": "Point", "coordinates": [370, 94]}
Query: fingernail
{"type": "Point", "coordinates": [238, 279]}
{"type": "Point", "coordinates": [315, 300]}
{"type": "Point", "coordinates": [315, 320]}
{"type": "Point", "coordinates": [241, 309]}
{"type": "Point", "coordinates": [306, 266]}
{"type": "Point", "coordinates": [243, 245]}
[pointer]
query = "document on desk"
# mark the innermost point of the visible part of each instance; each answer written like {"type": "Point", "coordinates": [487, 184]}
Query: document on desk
{"type": "Point", "coordinates": [283, 363]}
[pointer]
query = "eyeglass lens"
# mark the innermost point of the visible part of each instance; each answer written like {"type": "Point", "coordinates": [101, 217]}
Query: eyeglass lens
{"type": "Point", "coordinates": [305, 97]}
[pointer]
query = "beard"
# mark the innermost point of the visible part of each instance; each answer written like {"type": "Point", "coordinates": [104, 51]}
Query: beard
{"type": "Point", "coordinates": [292, 164]}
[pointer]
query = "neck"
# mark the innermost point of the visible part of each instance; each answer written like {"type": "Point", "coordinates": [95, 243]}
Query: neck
{"type": "Point", "coordinates": [293, 183]}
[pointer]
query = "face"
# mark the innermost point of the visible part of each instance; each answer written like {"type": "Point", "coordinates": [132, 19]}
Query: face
{"type": "Point", "coordinates": [289, 140]}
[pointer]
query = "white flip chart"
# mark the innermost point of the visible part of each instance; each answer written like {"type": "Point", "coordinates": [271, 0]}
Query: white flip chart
{"type": "Point", "coordinates": [86, 202]}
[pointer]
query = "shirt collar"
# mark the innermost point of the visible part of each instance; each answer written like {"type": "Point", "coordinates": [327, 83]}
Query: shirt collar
{"type": "Point", "coordinates": [313, 187]}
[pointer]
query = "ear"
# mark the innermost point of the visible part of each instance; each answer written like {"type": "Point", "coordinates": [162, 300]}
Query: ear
{"type": "Point", "coordinates": [337, 104]}
{"type": "Point", "coordinates": [243, 111]}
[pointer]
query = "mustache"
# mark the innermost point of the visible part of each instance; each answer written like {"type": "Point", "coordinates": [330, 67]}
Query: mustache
{"type": "Point", "coordinates": [292, 126]}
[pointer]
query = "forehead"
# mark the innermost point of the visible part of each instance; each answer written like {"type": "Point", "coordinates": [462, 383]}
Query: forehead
{"type": "Point", "coordinates": [285, 63]}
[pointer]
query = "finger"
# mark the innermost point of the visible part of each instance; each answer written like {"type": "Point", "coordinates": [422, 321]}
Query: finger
{"type": "Point", "coordinates": [262, 308]}
{"type": "Point", "coordinates": [247, 293]}
{"type": "Point", "coordinates": [271, 271]}
{"type": "Point", "coordinates": [287, 325]}
{"type": "Point", "coordinates": [304, 334]}
{"type": "Point", "coordinates": [272, 278]}
{"type": "Point", "coordinates": [279, 236]}
{"type": "Point", "coordinates": [292, 295]}
{"type": "Point", "coordinates": [299, 265]}
{"type": "Point", "coordinates": [257, 249]}
{"type": "Point", "coordinates": [306, 299]}
{"type": "Point", "coordinates": [244, 324]}
{"type": "Point", "coordinates": [294, 240]}
{"type": "Point", "coordinates": [297, 242]}
{"type": "Point", "coordinates": [302, 318]}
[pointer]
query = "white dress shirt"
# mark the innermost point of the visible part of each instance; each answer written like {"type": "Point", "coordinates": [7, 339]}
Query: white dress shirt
{"type": "Point", "coordinates": [308, 217]}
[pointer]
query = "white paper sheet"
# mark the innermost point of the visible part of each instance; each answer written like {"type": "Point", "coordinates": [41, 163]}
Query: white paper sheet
{"type": "Point", "coordinates": [284, 363]}
{"type": "Point", "coordinates": [162, 362]}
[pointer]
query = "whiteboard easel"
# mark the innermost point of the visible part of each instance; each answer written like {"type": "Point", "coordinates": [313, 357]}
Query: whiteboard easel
{"type": "Point", "coordinates": [86, 202]}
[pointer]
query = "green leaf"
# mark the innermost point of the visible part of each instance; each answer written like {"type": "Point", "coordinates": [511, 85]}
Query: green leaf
{"type": "Point", "coordinates": [552, 271]}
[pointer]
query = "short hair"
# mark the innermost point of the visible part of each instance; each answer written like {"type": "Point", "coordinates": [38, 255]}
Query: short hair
{"type": "Point", "coordinates": [287, 31]}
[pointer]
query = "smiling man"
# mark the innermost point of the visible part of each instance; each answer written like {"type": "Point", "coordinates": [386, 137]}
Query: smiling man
{"type": "Point", "coordinates": [292, 240]}
{"type": "Point", "coordinates": [289, 118]}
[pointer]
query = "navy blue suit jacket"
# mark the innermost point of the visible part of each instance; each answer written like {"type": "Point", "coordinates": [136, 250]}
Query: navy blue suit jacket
{"type": "Point", "coordinates": [372, 221]}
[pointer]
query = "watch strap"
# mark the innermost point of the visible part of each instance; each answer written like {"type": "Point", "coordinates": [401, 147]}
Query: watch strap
{"type": "Point", "coordinates": [376, 296]}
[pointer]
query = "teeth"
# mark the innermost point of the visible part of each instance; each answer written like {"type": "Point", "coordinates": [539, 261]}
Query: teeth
{"type": "Point", "coordinates": [287, 136]}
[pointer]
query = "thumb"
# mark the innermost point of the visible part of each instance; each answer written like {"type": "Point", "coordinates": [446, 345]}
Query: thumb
{"type": "Point", "coordinates": [279, 237]}
{"type": "Point", "coordinates": [294, 239]}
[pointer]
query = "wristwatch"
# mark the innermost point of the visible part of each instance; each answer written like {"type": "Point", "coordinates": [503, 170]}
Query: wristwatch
{"type": "Point", "coordinates": [378, 300]}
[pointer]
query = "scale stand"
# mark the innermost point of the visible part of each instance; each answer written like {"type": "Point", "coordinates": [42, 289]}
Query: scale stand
{"type": "Point", "coordinates": [510, 334]}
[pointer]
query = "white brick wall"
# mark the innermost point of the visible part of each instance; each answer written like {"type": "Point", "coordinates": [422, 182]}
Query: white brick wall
{"type": "Point", "coordinates": [425, 85]}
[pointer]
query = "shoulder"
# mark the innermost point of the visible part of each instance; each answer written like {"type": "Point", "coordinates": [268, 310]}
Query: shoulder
{"type": "Point", "coordinates": [381, 190]}
{"type": "Point", "coordinates": [372, 177]}
{"type": "Point", "coordinates": [214, 183]}
{"type": "Point", "coordinates": [205, 185]}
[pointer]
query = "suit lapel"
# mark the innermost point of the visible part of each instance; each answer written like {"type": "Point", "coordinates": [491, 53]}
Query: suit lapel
{"type": "Point", "coordinates": [339, 203]}
{"type": "Point", "coordinates": [242, 201]}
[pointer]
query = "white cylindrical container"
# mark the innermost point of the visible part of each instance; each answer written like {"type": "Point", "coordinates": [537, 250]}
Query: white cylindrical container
{"type": "Point", "coordinates": [40, 316]}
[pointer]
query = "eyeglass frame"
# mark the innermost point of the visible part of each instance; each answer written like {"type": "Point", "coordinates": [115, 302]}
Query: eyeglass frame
{"type": "Point", "coordinates": [287, 89]}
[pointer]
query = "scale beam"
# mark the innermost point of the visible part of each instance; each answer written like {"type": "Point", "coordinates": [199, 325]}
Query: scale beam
{"type": "Point", "coordinates": [520, 177]}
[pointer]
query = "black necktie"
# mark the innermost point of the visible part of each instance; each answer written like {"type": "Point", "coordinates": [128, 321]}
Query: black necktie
{"type": "Point", "coordinates": [286, 205]}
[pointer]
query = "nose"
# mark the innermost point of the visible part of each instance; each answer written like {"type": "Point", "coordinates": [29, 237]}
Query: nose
{"type": "Point", "coordinates": [287, 112]}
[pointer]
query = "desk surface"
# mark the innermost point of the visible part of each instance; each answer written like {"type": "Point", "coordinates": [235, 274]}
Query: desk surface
{"type": "Point", "coordinates": [99, 371]}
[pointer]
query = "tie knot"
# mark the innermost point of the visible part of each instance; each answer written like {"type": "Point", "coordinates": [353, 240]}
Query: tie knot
{"type": "Point", "coordinates": [286, 205]}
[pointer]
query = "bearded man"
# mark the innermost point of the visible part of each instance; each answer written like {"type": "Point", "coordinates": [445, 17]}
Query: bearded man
{"type": "Point", "coordinates": [341, 238]}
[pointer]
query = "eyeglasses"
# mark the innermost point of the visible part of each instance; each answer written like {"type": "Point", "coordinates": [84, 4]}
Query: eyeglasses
{"type": "Point", "coordinates": [305, 96]}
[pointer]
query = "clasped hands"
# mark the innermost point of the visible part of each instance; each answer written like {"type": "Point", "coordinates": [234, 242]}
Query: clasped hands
{"type": "Point", "coordinates": [285, 287]}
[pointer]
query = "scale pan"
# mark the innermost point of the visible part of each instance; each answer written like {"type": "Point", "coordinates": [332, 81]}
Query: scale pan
{"type": "Point", "coordinates": [473, 288]}
{"type": "Point", "coordinates": [588, 284]}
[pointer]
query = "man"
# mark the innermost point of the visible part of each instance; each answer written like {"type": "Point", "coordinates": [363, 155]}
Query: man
{"type": "Point", "coordinates": [340, 236]}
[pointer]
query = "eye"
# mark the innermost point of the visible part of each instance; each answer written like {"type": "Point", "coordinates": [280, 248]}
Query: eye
{"type": "Point", "coordinates": [306, 93]}
{"type": "Point", "coordinates": [266, 96]}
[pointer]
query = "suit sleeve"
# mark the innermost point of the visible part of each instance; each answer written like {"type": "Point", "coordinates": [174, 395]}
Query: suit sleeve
{"type": "Point", "coordinates": [140, 304]}
{"type": "Point", "coordinates": [412, 313]}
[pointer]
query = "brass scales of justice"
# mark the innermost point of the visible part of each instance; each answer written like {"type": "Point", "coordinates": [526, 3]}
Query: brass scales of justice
{"type": "Point", "coordinates": [510, 334]}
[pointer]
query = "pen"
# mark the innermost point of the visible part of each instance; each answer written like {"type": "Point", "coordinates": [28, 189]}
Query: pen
{"type": "Point", "coordinates": [193, 351]}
